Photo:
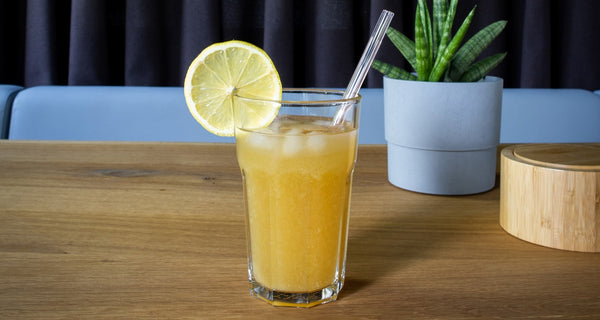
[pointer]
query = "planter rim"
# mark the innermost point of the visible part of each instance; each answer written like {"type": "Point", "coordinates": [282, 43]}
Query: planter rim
{"type": "Point", "coordinates": [448, 83]}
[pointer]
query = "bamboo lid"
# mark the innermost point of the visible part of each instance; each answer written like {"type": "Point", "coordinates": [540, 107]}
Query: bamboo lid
{"type": "Point", "coordinates": [550, 195]}
{"type": "Point", "coordinates": [563, 156]}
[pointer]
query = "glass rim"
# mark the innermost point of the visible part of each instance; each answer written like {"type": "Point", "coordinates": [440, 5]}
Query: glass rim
{"type": "Point", "coordinates": [309, 102]}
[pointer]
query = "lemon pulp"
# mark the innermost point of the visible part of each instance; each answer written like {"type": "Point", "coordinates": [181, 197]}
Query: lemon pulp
{"type": "Point", "coordinates": [222, 70]}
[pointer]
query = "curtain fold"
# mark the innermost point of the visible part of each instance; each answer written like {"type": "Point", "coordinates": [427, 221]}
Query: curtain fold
{"type": "Point", "coordinates": [554, 44]}
{"type": "Point", "coordinates": [576, 51]}
{"type": "Point", "coordinates": [277, 39]}
{"type": "Point", "coordinates": [46, 41]}
{"type": "Point", "coordinates": [88, 61]}
{"type": "Point", "coordinates": [536, 45]}
{"type": "Point", "coordinates": [198, 28]}
{"type": "Point", "coordinates": [144, 42]}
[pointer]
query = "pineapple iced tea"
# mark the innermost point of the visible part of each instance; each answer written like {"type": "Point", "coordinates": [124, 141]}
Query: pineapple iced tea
{"type": "Point", "coordinates": [297, 176]}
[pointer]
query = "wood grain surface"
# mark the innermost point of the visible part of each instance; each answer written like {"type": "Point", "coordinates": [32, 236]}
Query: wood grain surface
{"type": "Point", "coordinates": [156, 231]}
{"type": "Point", "coordinates": [569, 156]}
{"type": "Point", "coordinates": [550, 195]}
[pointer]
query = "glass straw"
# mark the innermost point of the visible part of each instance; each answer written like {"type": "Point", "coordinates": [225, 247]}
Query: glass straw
{"type": "Point", "coordinates": [364, 63]}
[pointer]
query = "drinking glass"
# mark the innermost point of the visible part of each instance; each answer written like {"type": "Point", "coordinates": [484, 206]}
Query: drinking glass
{"type": "Point", "coordinates": [297, 180]}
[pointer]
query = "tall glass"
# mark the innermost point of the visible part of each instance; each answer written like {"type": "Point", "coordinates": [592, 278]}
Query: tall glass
{"type": "Point", "coordinates": [297, 177]}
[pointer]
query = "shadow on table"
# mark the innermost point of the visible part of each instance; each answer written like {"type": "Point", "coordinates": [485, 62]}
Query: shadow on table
{"type": "Point", "coordinates": [399, 238]}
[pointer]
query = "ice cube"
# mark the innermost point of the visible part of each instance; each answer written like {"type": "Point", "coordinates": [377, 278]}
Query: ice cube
{"type": "Point", "coordinates": [257, 140]}
{"type": "Point", "coordinates": [316, 143]}
{"type": "Point", "coordinates": [322, 123]}
{"type": "Point", "coordinates": [292, 144]}
{"type": "Point", "coordinates": [294, 131]}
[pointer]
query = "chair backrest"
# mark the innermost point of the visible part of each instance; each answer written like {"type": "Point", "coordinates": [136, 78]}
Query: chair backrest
{"type": "Point", "coordinates": [550, 116]}
{"type": "Point", "coordinates": [105, 113]}
{"type": "Point", "coordinates": [133, 114]}
{"type": "Point", "coordinates": [160, 114]}
{"type": "Point", "coordinates": [528, 116]}
{"type": "Point", "coordinates": [7, 95]}
{"type": "Point", "coordinates": [371, 130]}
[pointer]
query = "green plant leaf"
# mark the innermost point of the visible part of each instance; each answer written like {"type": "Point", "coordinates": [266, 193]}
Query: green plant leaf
{"type": "Point", "coordinates": [426, 20]}
{"type": "Point", "coordinates": [435, 54]}
{"type": "Point", "coordinates": [446, 29]}
{"type": "Point", "coordinates": [440, 12]}
{"type": "Point", "coordinates": [465, 56]}
{"type": "Point", "coordinates": [392, 71]}
{"type": "Point", "coordinates": [404, 45]}
{"type": "Point", "coordinates": [442, 64]}
{"type": "Point", "coordinates": [481, 68]}
{"type": "Point", "coordinates": [422, 41]}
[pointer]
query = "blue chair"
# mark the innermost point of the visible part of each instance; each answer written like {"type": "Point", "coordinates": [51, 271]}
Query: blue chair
{"type": "Point", "coordinates": [134, 114]}
{"type": "Point", "coordinates": [371, 130]}
{"type": "Point", "coordinates": [528, 116]}
{"type": "Point", "coordinates": [105, 113]}
{"type": "Point", "coordinates": [550, 116]}
{"type": "Point", "coordinates": [7, 95]}
{"type": "Point", "coordinates": [160, 114]}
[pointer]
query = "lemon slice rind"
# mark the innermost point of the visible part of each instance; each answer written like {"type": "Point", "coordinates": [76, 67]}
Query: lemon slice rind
{"type": "Point", "coordinates": [222, 70]}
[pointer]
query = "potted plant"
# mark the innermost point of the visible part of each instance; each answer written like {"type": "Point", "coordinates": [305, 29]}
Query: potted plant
{"type": "Point", "coordinates": [442, 122]}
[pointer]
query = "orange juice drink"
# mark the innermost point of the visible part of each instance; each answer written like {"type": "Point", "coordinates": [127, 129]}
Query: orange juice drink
{"type": "Point", "coordinates": [296, 149]}
{"type": "Point", "coordinates": [297, 176]}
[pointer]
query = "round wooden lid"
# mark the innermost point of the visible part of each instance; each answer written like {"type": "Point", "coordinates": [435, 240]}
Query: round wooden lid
{"type": "Point", "coordinates": [570, 156]}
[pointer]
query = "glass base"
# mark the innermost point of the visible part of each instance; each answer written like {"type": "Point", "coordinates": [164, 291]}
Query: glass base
{"type": "Point", "coordinates": [295, 299]}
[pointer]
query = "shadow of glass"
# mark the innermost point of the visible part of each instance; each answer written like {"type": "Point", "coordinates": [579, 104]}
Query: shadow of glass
{"type": "Point", "coordinates": [397, 237]}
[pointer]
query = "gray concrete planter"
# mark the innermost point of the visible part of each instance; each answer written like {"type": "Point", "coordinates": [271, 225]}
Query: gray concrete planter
{"type": "Point", "coordinates": [442, 136]}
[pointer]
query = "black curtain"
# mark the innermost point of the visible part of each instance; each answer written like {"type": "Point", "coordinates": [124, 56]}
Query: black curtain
{"type": "Point", "coordinates": [550, 43]}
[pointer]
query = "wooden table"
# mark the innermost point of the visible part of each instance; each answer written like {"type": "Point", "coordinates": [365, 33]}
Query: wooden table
{"type": "Point", "coordinates": [156, 230]}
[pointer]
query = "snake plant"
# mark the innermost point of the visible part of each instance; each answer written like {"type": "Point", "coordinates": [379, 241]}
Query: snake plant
{"type": "Point", "coordinates": [437, 56]}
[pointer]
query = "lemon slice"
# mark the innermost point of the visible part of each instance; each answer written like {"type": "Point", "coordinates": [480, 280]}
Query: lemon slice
{"type": "Point", "coordinates": [222, 70]}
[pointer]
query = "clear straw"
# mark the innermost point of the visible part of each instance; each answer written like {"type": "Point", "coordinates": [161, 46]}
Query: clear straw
{"type": "Point", "coordinates": [364, 64]}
